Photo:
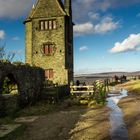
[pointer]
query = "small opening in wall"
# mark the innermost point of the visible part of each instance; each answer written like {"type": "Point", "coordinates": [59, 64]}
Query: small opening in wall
{"type": "Point", "coordinates": [60, 51]}
{"type": "Point", "coordinates": [10, 85]}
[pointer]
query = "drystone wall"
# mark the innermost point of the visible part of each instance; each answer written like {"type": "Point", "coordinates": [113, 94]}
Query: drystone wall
{"type": "Point", "coordinates": [29, 80]}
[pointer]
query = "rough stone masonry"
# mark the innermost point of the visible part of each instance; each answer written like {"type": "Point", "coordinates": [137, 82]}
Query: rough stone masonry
{"type": "Point", "coordinates": [49, 39]}
{"type": "Point", "coordinates": [30, 82]}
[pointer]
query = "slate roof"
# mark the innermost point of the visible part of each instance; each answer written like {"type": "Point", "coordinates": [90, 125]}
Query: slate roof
{"type": "Point", "coordinates": [47, 8]}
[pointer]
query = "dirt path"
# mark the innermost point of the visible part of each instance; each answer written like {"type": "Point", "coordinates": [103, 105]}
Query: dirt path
{"type": "Point", "coordinates": [77, 123]}
{"type": "Point", "coordinates": [131, 109]}
{"type": "Point", "coordinates": [80, 123]}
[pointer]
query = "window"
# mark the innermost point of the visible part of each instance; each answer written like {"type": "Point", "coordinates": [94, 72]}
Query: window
{"type": "Point", "coordinates": [47, 24]}
{"type": "Point", "coordinates": [54, 24]}
{"type": "Point", "coordinates": [50, 24]}
{"type": "Point", "coordinates": [41, 25]}
{"type": "Point", "coordinates": [49, 73]}
{"type": "Point", "coordinates": [48, 49]}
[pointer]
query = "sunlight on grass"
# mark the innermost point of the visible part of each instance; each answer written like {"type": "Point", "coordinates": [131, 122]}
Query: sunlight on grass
{"type": "Point", "coordinates": [133, 86]}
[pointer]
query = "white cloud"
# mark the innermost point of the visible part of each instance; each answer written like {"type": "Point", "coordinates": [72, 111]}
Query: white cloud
{"type": "Point", "coordinates": [81, 8]}
{"type": "Point", "coordinates": [132, 43]}
{"type": "Point", "coordinates": [84, 28]}
{"type": "Point", "coordinates": [2, 34]}
{"type": "Point", "coordinates": [94, 16]}
{"type": "Point", "coordinates": [87, 3]}
{"type": "Point", "coordinates": [83, 48]}
{"type": "Point", "coordinates": [15, 8]}
{"type": "Point", "coordinates": [105, 25]}
{"type": "Point", "coordinates": [15, 38]}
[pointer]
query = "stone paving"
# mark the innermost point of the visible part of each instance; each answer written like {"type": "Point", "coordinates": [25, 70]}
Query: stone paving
{"type": "Point", "coordinates": [26, 119]}
{"type": "Point", "coordinates": [7, 129]}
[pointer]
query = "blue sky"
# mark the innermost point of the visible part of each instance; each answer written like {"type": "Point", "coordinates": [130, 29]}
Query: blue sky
{"type": "Point", "coordinates": [106, 33]}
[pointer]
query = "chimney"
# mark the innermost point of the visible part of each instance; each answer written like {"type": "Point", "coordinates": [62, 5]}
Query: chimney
{"type": "Point", "coordinates": [67, 5]}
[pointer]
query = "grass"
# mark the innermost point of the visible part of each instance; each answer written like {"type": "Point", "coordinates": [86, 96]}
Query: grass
{"type": "Point", "coordinates": [15, 134]}
{"type": "Point", "coordinates": [6, 120]}
{"type": "Point", "coordinates": [43, 107]}
{"type": "Point", "coordinates": [132, 86]}
{"type": "Point", "coordinates": [40, 108]}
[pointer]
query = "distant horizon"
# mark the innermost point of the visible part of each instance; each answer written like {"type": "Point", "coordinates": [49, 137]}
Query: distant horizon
{"type": "Point", "coordinates": [109, 72]}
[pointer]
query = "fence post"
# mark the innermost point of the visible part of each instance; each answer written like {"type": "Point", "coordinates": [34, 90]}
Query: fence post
{"type": "Point", "coordinates": [57, 93]}
{"type": "Point", "coordinates": [71, 88]}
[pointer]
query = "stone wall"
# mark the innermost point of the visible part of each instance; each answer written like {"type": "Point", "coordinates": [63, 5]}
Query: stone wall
{"type": "Point", "coordinates": [30, 81]}
{"type": "Point", "coordinates": [55, 61]}
{"type": "Point", "coordinates": [62, 37]}
{"type": "Point", "coordinates": [55, 93]}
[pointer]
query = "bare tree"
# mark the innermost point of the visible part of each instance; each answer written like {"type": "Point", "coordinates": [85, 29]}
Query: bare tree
{"type": "Point", "coordinates": [2, 53]}
{"type": "Point", "coordinates": [6, 56]}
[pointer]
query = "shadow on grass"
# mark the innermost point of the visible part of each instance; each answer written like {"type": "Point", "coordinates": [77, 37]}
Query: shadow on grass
{"type": "Point", "coordinates": [59, 124]}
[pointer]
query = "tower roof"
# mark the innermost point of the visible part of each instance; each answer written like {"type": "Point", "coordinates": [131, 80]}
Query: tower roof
{"type": "Point", "coordinates": [46, 8]}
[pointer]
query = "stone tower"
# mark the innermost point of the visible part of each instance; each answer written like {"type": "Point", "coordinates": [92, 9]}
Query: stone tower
{"type": "Point", "coordinates": [49, 39]}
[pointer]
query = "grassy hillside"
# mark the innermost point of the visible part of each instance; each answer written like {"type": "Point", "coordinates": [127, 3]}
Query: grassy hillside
{"type": "Point", "coordinates": [132, 86]}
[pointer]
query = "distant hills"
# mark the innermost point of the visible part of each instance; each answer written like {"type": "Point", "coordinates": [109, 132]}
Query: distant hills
{"type": "Point", "coordinates": [89, 78]}
{"type": "Point", "coordinates": [109, 74]}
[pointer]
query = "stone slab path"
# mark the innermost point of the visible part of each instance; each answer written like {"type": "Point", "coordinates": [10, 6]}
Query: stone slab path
{"type": "Point", "coordinates": [7, 129]}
